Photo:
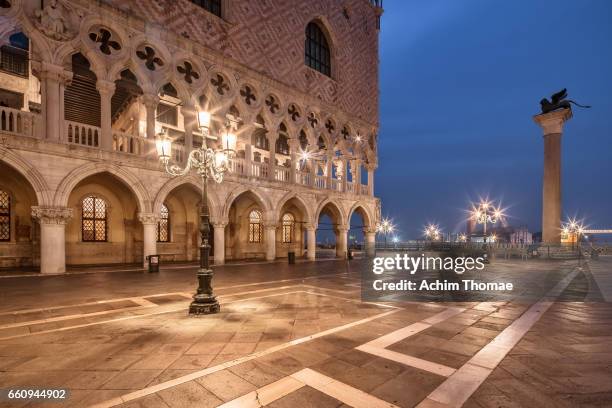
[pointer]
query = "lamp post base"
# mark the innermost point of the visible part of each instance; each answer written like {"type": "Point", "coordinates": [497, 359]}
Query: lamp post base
{"type": "Point", "coordinates": [196, 308]}
{"type": "Point", "coordinates": [204, 302]}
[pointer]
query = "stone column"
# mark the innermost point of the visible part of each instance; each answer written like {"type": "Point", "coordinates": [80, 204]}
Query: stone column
{"type": "Point", "coordinates": [370, 242]}
{"type": "Point", "coordinates": [552, 127]}
{"type": "Point", "coordinates": [270, 240]}
{"type": "Point", "coordinates": [52, 222]}
{"type": "Point", "coordinates": [106, 90]}
{"type": "Point", "coordinates": [293, 146]}
{"type": "Point", "coordinates": [272, 166]}
{"type": "Point", "coordinates": [356, 175]}
{"type": "Point", "coordinates": [190, 123]}
{"type": "Point", "coordinates": [345, 169]}
{"type": "Point", "coordinates": [311, 241]}
{"type": "Point", "coordinates": [149, 228]}
{"type": "Point", "coordinates": [150, 103]}
{"type": "Point", "coordinates": [248, 159]}
{"type": "Point", "coordinates": [329, 170]}
{"type": "Point", "coordinates": [219, 237]}
{"type": "Point", "coordinates": [53, 79]}
{"type": "Point", "coordinates": [371, 181]}
{"type": "Point", "coordinates": [341, 241]}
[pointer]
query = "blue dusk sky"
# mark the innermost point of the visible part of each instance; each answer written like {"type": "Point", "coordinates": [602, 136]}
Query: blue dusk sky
{"type": "Point", "coordinates": [460, 81]}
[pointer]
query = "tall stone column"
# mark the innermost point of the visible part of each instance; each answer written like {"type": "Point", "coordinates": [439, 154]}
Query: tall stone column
{"type": "Point", "coordinates": [52, 222]}
{"type": "Point", "coordinates": [311, 242]}
{"type": "Point", "coordinates": [356, 175]}
{"type": "Point", "coordinates": [552, 127]}
{"type": "Point", "coordinates": [53, 79]}
{"type": "Point", "coordinates": [219, 238]}
{"type": "Point", "coordinates": [293, 146]}
{"type": "Point", "coordinates": [248, 159]}
{"type": "Point", "coordinates": [270, 240]}
{"type": "Point", "coordinates": [149, 229]}
{"type": "Point", "coordinates": [106, 90]}
{"type": "Point", "coordinates": [329, 170]}
{"type": "Point", "coordinates": [341, 241]}
{"type": "Point", "coordinates": [370, 242]}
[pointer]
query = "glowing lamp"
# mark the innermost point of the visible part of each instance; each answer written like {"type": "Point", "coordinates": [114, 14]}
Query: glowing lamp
{"type": "Point", "coordinates": [229, 141]}
{"type": "Point", "coordinates": [163, 144]}
{"type": "Point", "coordinates": [203, 119]}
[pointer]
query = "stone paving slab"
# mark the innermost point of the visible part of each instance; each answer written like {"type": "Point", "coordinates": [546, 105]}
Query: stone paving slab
{"type": "Point", "coordinates": [304, 318]}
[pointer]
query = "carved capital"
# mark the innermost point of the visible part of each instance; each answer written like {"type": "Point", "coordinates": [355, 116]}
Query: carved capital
{"type": "Point", "coordinates": [52, 215]}
{"type": "Point", "coordinates": [105, 87]}
{"type": "Point", "coordinates": [150, 101]}
{"type": "Point", "coordinates": [148, 218]}
{"type": "Point", "coordinates": [310, 227]}
{"type": "Point", "coordinates": [219, 224]}
{"type": "Point", "coordinates": [552, 123]}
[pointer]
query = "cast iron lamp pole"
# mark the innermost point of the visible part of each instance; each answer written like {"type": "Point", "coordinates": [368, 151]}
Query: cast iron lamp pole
{"type": "Point", "coordinates": [207, 163]}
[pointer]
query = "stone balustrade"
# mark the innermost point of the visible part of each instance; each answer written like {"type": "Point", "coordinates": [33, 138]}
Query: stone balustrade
{"type": "Point", "coordinates": [18, 122]}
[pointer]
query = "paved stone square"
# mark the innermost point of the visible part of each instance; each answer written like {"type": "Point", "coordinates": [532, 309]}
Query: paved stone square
{"type": "Point", "coordinates": [299, 335]}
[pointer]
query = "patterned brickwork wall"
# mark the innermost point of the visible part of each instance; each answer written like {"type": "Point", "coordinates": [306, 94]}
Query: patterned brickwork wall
{"type": "Point", "coordinates": [268, 36]}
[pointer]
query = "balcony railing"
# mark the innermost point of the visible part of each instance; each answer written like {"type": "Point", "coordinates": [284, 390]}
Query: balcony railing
{"type": "Point", "coordinates": [81, 134]}
{"type": "Point", "coordinates": [18, 122]}
{"type": "Point", "coordinates": [282, 174]}
{"type": "Point", "coordinates": [259, 169]}
{"type": "Point", "coordinates": [22, 123]}
{"type": "Point", "coordinates": [123, 142]}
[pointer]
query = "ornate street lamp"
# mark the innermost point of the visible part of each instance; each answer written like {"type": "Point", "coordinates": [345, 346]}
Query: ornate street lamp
{"type": "Point", "coordinates": [573, 229]}
{"type": "Point", "coordinates": [207, 163]}
{"type": "Point", "coordinates": [433, 232]}
{"type": "Point", "coordinates": [486, 213]}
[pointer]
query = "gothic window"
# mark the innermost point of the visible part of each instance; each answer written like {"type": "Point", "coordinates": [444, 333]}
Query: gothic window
{"type": "Point", "coordinates": [261, 141]}
{"type": "Point", "coordinates": [282, 145]}
{"type": "Point", "coordinates": [93, 220]}
{"type": "Point", "coordinates": [317, 54]}
{"type": "Point", "coordinates": [288, 228]}
{"type": "Point", "coordinates": [213, 6]}
{"type": "Point", "coordinates": [303, 140]}
{"type": "Point", "coordinates": [255, 227]}
{"type": "Point", "coordinates": [321, 143]}
{"type": "Point", "coordinates": [5, 216]}
{"type": "Point", "coordinates": [163, 226]}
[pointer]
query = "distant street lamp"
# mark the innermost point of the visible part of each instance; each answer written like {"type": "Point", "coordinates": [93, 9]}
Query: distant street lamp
{"type": "Point", "coordinates": [462, 238]}
{"type": "Point", "coordinates": [432, 232]}
{"type": "Point", "coordinates": [386, 227]}
{"type": "Point", "coordinates": [486, 213]}
{"type": "Point", "coordinates": [207, 163]}
{"type": "Point", "coordinates": [574, 230]}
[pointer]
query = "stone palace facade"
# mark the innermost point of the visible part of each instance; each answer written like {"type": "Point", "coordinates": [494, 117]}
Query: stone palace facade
{"type": "Point", "coordinates": [85, 87]}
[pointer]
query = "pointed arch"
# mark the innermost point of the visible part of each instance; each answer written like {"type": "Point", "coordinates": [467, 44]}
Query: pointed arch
{"type": "Point", "coordinates": [262, 200]}
{"type": "Point", "coordinates": [30, 173]}
{"type": "Point", "coordinates": [302, 205]}
{"type": "Point", "coordinates": [362, 209]}
{"type": "Point", "coordinates": [196, 183]}
{"type": "Point", "coordinates": [70, 181]}
{"type": "Point", "coordinates": [335, 207]}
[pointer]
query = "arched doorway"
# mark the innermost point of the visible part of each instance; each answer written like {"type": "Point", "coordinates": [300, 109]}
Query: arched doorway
{"type": "Point", "coordinates": [290, 234]}
{"type": "Point", "coordinates": [361, 235]}
{"type": "Point", "coordinates": [19, 235]}
{"type": "Point", "coordinates": [245, 235]}
{"type": "Point", "coordinates": [331, 231]}
{"type": "Point", "coordinates": [104, 228]}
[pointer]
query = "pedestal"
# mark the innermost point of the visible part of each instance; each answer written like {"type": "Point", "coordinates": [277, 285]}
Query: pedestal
{"type": "Point", "coordinates": [552, 127]}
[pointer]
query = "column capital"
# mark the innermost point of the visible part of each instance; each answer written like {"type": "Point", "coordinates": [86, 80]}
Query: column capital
{"type": "Point", "coordinates": [342, 228]}
{"type": "Point", "coordinates": [310, 226]}
{"type": "Point", "coordinates": [219, 224]}
{"type": "Point", "coordinates": [369, 230]}
{"type": "Point", "coordinates": [269, 226]}
{"type": "Point", "coordinates": [150, 101]}
{"type": "Point", "coordinates": [105, 87]}
{"type": "Point", "coordinates": [52, 215]}
{"type": "Point", "coordinates": [552, 122]}
{"type": "Point", "coordinates": [148, 218]}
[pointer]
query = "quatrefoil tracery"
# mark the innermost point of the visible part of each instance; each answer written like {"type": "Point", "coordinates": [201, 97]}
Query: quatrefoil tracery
{"type": "Point", "coordinates": [312, 119]}
{"type": "Point", "coordinates": [220, 84]}
{"type": "Point", "coordinates": [272, 103]}
{"type": "Point", "coordinates": [247, 93]}
{"type": "Point", "coordinates": [294, 112]}
{"type": "Point", "coordinates": [189, 74]}
{"type": "Point", "coordinates": [105, 39]}
{"type": "Point", "coordinates": [150, 58]}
